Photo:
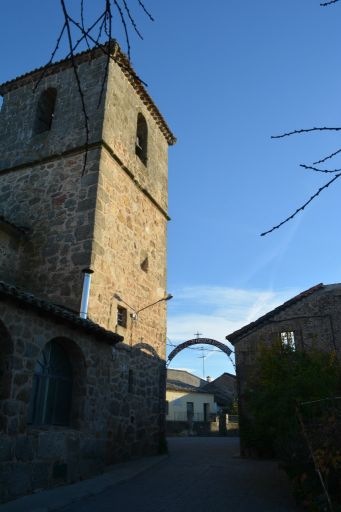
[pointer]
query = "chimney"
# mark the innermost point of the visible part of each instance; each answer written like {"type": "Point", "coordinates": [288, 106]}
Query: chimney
{"type": "Point", "coordinates": [86, 292]}
{"type": "Point", "coordinates": [208, 379]}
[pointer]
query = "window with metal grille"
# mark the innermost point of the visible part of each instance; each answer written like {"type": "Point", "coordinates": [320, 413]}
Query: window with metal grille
{"type": "Point", "coordinates": [45, 111]}
{"type": "Point", "coordinates": [141, 144]}
{"type": "Point", "coordinates": [288, 339]}
{"type": "Point", "coordinates": [52, 387]}
{"type": "Point", "coordinates": [121, 316]}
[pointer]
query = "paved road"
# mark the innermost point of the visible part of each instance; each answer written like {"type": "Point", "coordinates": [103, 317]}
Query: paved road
{"type": "Point", "coordinates": [200, 475]}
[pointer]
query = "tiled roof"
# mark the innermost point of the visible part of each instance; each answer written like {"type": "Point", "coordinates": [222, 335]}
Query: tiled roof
{"type": "Point", "coordinates": [122, 61]}
{"type": "Point", "coordinates": [50, 309]}
{"type": "Point", "coordinates": [233, 337]}
{"type": "Point", "coordinates": [176, 385]}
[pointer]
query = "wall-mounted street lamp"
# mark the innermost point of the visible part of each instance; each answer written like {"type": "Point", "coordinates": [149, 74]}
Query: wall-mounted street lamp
{"type": "Point", "coordinates": [135, 313]}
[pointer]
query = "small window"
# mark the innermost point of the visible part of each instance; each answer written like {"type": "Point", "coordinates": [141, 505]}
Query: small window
{"type": "Point", "coordinates": [190, 410]}
{"type": "Point", "coordinates": [141, 144]}
{"type": "Point", "coordinates": [288, 339]}
{"type": "Point", "coordinates": [206, 412]}
{"type": "Point", "coordinates": [52, 388]}
{"type": "Point", "coordinates": [121, 316]}
{"type": "Point", "coordinates": [130, 381]}
{"type": "Point", "coordinates": [45, 111]}
{"type": "Point", "coordinates": [145, 264]}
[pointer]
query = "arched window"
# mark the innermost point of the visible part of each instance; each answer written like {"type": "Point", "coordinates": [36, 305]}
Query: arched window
{"type": "Point", "coordinates": [52, 387]}
{"type": "Point", "coordinates": [45, 111]}
{"type": "Point", "coordinates": [141, 146]}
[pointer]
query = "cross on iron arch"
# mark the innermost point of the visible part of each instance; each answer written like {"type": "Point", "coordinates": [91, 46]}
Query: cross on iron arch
{"type": "Point", "coordinates": [198, 334]}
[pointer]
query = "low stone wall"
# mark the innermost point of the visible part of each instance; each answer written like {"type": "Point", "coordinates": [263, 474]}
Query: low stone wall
{"type": "Point", "coordinates": [43, 459]}
{"type": "Point", "coordinates": [182, 428]}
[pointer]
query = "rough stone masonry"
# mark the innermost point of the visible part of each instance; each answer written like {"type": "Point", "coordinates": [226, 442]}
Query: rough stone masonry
{"type": "Point", "coordinates": [55, 222]}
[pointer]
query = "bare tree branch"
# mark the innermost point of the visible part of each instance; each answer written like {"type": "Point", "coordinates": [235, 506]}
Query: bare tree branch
{"type": "Point", "coordinates": [105, 24]}
{"type": "Point", "coordinates": [81, 94]}
{"type": "Point", "coordinates": [325, 4]}
{"type": "Point", "coordinates": [108, 16]}
{"type": "Point", "coordinates": [145, 10]}
{"type": "Point", "coordinates": [51, 58]}
{"type": "Point", "coordinates": [328, 157]}
{"type": "Point", "coordinates": [326, 171]}
{"type": "Point", "coordinates": [132, 19]}
{"type": "Point", "coordinates": [82, 22]}
{"type": "Point", "coordinates": [124, 26]}
{"type": "Point", "coordinates": [306, 130]}
{"type": "Point", "coordinates": [301, 208]}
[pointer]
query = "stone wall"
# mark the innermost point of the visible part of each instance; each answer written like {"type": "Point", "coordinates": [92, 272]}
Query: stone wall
{"type": "Point", "coordinates": [315, 320]}
{"type": "Point", "coordinates": [113, 218]}
{"type": "Point", "coordinates": [110, 419]}
{"type": "Point", "coordinates": [18, 143]}
{"type": "Point", "coordinates": [122, 107]}
{"type": "Point", "coordinates": [128, 229]}
{"type": "Point", "coordinates": [57, 206]}
{"type": "Point", "coordinates": [10, 246]}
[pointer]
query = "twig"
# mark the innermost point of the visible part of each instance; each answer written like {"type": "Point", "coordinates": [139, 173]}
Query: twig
{"type": "Point", "coordinates": [108, 16]}
{"type": "Point", "coordinates": [82, 23]}
{"type": "Point", "coordinates": [301, 208]}
{"type": "Point", "coordinates": [132, 21]}
{"type": "Point", "coordinates": [325, 4]}
{"type": "Point", "coordinates": [328, 157]}
{"type": "Point", "coordinates": [124, 26]}
{"type": "Point", "coordinates": [306, 130]}
{"type": "Point", "coordinates": [326, 171]}
{"type": "Point", "coordinates": [145, 10]}
{"type": "Point", "coordinates": [105, 51]}
{"type": "Point", "coordinates": [51, 58]}
{"type": "Point", "coordinates": [85, 32]}
{"type": "Point", "coordinates": [81, 94]}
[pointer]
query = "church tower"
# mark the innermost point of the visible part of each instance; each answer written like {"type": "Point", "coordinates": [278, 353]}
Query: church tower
{"type": "Point", "coordinates": [110, 217]}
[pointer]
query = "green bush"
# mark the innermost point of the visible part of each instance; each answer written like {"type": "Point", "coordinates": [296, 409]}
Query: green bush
{"type": "Point", "coordinates": [284, 378]}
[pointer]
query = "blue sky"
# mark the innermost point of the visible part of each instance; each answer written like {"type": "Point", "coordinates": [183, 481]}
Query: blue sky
{"type": "Point", "coordinates": [227, 75]}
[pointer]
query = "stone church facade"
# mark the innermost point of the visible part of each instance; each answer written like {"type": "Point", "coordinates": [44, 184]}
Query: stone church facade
{"type": "Point", "coordinates": [79, 393]}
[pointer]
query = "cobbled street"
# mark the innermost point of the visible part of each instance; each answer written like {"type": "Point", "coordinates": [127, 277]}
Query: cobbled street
{"type": "Point", "coordinates": [201, 474]}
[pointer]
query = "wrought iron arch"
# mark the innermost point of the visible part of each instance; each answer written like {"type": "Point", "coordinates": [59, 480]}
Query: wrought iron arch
{"type": "Point", "coordinates": [199, 341]}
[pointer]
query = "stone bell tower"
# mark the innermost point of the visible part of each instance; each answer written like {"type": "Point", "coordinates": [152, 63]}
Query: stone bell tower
{"type": "Point", "coordinates": [112, 218]}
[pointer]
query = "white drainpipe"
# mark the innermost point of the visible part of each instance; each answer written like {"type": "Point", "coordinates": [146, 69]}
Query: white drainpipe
{"type": "Point", "coordinates": [86, 292]}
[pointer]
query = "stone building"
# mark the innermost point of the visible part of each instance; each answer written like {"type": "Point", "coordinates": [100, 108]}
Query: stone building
{"type": "Point", "coordinates": [224, 389]}
{"type": "Point", "coordinates": [310, 319]}
{"type": "Point", "coordinates": [79, 393]}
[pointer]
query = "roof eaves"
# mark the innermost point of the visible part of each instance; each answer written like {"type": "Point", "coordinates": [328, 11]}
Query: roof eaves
{"type": "Point", "coordinates": [236, 335]}
{"type": "Point", "coordinates": [59, 312]}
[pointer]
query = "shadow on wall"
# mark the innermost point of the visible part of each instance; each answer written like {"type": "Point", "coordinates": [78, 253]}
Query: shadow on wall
{"type": "Point", "coordinates": [69, 406]}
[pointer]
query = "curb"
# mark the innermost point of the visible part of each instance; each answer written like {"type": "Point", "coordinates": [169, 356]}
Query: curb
{"type": "Point", "coordinates": [54, 499]}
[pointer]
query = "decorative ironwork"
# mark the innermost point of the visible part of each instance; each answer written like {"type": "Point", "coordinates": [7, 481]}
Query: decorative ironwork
{"type": "Point", "coordinates": [199, 341]}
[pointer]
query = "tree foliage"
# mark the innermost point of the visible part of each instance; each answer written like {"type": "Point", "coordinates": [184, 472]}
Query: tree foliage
{"type": "Point", "coordinates": [283, 378]}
